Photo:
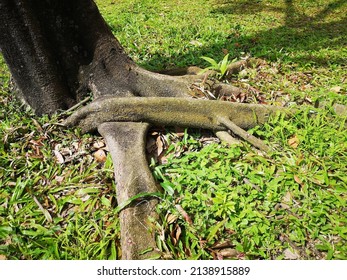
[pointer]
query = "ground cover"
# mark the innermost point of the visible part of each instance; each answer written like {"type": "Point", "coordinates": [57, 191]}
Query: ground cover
{"type": "Point", "coordinates": [57, 196]}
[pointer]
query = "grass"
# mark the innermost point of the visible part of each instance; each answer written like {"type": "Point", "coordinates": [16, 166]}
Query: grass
{"type": "Point", "coordinates": [57, 199]}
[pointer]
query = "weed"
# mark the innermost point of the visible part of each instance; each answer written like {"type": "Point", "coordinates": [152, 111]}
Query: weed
{"type": "Point", "coordinates": [221, 67]}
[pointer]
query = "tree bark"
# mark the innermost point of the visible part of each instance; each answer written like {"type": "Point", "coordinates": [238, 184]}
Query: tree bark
{"type": "Point", "coordinates": [59, 51]}
{"type": "Point", "coordinates": [133, 178]}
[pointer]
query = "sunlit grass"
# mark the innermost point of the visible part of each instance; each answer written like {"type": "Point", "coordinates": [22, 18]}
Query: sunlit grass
{"type": "Point", "coordinates": [220, 202]}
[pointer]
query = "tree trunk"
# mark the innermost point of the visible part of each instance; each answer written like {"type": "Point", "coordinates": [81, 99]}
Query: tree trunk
{"type": "Point", "coordinates": [58, 51]}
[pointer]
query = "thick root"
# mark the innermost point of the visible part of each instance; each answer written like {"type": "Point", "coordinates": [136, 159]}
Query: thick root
{"type": "Point", "coordinates": [126, 142]}
{"type": "Point", "coordinates": [184, 112]}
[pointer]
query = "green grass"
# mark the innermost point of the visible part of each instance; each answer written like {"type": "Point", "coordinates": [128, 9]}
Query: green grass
{"type": "Point", "coordinates": [291, 199]}
{"type": "Point", "coordinates": [219, 201]}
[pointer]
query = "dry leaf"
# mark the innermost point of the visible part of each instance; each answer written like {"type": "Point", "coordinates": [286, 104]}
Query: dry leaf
{"type": "Point", "coordinates": [163, 159]}
{"type": "Point", "coordinates": [150, 145]}
{"type": "Point", "coordinates": [284, 206]}
{"type": "Point", "coordinates": [287, 198]}
{"type": "Point", "coordinates": [225, 51]}
{"type": "Point", "coordinates": [228, 253]}
{"type": "Point", "coordinates": [298, 180]}
{"type": "Point", "coordinates": [2, 257]}
{"type": "Point", "coordinates": [184, 214]}
{"type": "Point", "coordinates": [100, 156]}
{"type": "Point", "coordinates": [222, 245]}
{"type": "Point", "coordinates": [294, 142]}
{"type": "Point", "coordinates": [289, 255]}
{"type": "Point", "coordinates": [99, 144]}
{"type": "Point", "coordinates": [195, 43]}
{"type": "Point", "coordinates": [59, 157]}
{"type": "Point", "coordinates": [336, 89]}
{"type": "Point", "coordinates": [59, 179]}
{"type": "Point", "coordinates": [179, 131]}
{"type": "Point", "coordinates": [160, 146]}
{"type": "Point", "coordinates": [175, 234]}
{"type": "Point", "coordinates": [171, 218]}
{"type": "Point", "coordinates": [178, 233]}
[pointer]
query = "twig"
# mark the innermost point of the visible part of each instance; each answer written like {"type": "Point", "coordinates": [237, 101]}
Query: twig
{"type": "Point", "coordinates": [224, 136]}
{"type": "Point", "coordinates": [82, 102]}
{"type": "Point", "coordinates": [244, 134]}
{"type": "Point", "coordinates": [43, 210]}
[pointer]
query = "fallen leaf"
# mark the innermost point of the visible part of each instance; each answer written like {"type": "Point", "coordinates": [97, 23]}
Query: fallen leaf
{"type": "Point", "coordinates": [171, 218]}
{"type": "Point", "coordinates": [294, 142]}
{"type": "Point", "coordinates": [284, 206]}
{"type": "Point", "coordinates": [336, 89]}
{"type": "Point", "coordinates": [179, 131]}
{"type": "Point", "coordinates": [150, 145]}
{"type": "Point", "coordinates": [160, 146]}
{"type": "Point", "coordinates": [99, 144]}
{"type": "Point", "coordinates": [175, 234]}
{"type": "Point", "coordinates": [184, 214]}
{"type": "Point", "coordinates": [59, 157]}
{"type": "Point", "coordinates": [195, 43]}
{"type": "Point", "coordinates": [225, 51]}
{"type": "Point", "coordinates": [290, 255]}
{"type": "Point", "coordinates": [287, 198]}
{"type": "Point", "coordinates": [222, 245]}
{"type": "Point", "coordinates": [298, 180]}
{"type": "Point", "coordinates": [2, 257]}
{"type": "Point", "coordinates": [100, 156]}
{"type": "Point", "coordinates": [178, 233]}
{"type": "Point", "coordinates": [59, 179]}
{"type": "Point", "coordinates": [228, 253]}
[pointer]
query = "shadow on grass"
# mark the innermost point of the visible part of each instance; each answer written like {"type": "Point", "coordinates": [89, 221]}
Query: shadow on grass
{"type": "Point", "coordinates": [304, 38]}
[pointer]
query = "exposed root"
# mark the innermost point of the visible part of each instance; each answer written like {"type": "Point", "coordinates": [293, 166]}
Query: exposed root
{"type": "Point", "coordinates": [126, 142]}
{"type": "Point", "coordinates": [244, 135]}
{"type": "Point", "coordinates": [164, 101]}
{"type": "Point", "coordinates": [183, 112]}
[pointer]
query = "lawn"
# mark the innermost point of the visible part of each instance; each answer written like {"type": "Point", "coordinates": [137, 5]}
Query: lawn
{"type": "Point", "coordinates": [57, 193]}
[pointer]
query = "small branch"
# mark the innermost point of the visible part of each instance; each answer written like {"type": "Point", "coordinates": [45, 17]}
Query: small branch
{"type": "Point", "coordinates": [244, 134]}
{"type": "Point", "coordinates": [84, 101]}
{"type": "Point", "coordinates": [224, 136]}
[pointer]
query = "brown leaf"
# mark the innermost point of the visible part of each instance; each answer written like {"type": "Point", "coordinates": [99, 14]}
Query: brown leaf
{"type": "Point", "coordinates": [222, 245]}
{"type": "Point", "coordinates": [150, 145]}
{"type": "Point", "coordinates": [184, 214]}
{"type": "Point", "coordinates": [287, 198]}
{"type": "Point", "coordinates": [336, 89]}
{"type": "Point", "coordinates": [294, 142]}
{"type": "Point", "coordinates": [99, 144]}
{"type": "Point", "coordinates": [178, 233]}
{"type": "Point", "coordinates": [2, 257]}
{"type": "Point", "coordinates": [228, 253]}
{"type": "Point", "coordinates": [225, 51]}
{"type": "Point", "coordinates": [175, 234]}
{"type": "Point", "coordinates": [100, 156]}
{"type": "Point", "coordinates": [179, 131]}
{"type": "Point", "coordinates": [298, 180]}
{"type": "Point", "coordinates": [160, 146]}
{"type": "Point", "coordinates": [171, 218]}
{"type": "Point", "coordinates": [163, 159]}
